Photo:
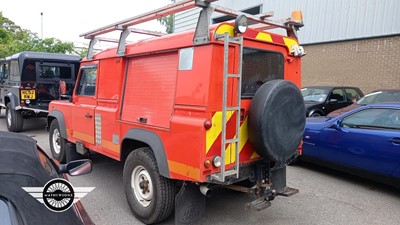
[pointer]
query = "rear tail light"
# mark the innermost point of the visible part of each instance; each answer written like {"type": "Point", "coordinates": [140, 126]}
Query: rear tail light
{"type": "Point", "coordinates": [207, 124]}
{"type": "Point", "coordinates": [300, 148]}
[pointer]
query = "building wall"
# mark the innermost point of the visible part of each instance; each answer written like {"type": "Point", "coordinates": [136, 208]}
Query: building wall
{"type": "Point", "coordinates": [367, 63]}
{"type": "Point", "coordinates": [325, 20]}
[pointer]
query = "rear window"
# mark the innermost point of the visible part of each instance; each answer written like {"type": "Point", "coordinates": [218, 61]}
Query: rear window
{"type": "Point", "coordinates": [259, 67]}
{"type": "Point", "coordinates": [52, 72]}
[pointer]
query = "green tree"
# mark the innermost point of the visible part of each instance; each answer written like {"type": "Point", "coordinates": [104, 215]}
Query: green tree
{"type": "Point", "coordinates": [14, 39]}
{"type": "Point", "coordinates": [168, 22]}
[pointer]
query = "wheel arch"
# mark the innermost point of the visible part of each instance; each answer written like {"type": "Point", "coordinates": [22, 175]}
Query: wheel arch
{"type": "Point", "coordinates": [136, 138]}
{"type": "Point", "coordinates": [315, 111]}
{"type": "Point", "coordinates": [12, 98]}
{"type": "Point", "coordinates": [59, 116]}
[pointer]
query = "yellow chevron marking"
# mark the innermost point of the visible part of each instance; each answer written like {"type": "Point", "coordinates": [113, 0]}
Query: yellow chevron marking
{"type": "Point", "coordinates": [264, 37]}
{"type": "Point", "coordinates": [225, 28]}
{"type": "Point", "coordinates": [290, 42]}
{"type": "Point", "coordinates": [213, 133]}
{"type": "Point", "coordinates": [255, 155]}
{"type": "Point", "coordinates": [230, 155]}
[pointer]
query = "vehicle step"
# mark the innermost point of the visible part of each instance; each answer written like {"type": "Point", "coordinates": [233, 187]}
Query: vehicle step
{"type": "Point", "coordinates": [258, 204]}
{"type": "Point", "coordinates": [288, 192]}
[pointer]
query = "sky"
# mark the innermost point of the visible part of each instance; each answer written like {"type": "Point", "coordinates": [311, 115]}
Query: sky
{"type": "Point", "coordinates": [66, 20]}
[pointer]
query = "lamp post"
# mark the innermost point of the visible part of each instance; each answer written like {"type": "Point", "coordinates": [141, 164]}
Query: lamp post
{"type": "Point", "coordinates": [41, 18]}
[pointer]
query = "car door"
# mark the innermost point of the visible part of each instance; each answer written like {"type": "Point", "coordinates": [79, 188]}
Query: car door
{"type": "Point", "coordinates": [335, 100]}
{"type": "Point", "coordinates": [367, 140]}
{"type": "Point", "coordinates": [84, 104]}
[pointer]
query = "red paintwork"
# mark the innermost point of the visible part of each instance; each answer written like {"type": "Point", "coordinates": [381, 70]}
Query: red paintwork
{"type": "Point", "coordinates": [176, 103]}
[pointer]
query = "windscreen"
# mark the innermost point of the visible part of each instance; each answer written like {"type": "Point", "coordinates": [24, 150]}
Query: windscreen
{"type": "Point", "coordinates": [259, 67]}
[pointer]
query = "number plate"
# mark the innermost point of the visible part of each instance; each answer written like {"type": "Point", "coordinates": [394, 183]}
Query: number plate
{"type": "Point", "coordinates": [28, 94]}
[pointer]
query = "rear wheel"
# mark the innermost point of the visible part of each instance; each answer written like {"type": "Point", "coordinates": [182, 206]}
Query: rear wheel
{"type": "Point", "coordinates": [57, 143]}
{"type": "Point", "coordinates": [315, 115]}
{"type": "Point", "coordinates": [150, 196]}
{"type": "Point", "coordinates": [14, 119]}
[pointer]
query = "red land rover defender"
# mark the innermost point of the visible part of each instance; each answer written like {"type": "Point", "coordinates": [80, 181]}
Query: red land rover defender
{"type": "Point", "coordinates": [218, 106]}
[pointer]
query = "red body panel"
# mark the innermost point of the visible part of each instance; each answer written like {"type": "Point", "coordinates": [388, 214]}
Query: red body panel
{"type": "Point", "coordinates": [147, 83]}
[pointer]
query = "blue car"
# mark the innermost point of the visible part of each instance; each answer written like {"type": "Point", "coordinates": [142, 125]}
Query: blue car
{"type": "Point", "coordinates": [364, 141]}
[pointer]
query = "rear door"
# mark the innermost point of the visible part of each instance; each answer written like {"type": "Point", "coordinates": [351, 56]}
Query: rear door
{"type": "Point", "coordinates": [84, 104]}
{"type": "Point", "coordinates": [48, 75]}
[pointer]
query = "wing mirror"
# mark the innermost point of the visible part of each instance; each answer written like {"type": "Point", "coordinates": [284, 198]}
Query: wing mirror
{"type": "Point", "coordinates": [63, 91]}
{"type": "Point", "coordinates": [77, 167]}
{"type": "Point", "coordinates": [333, 101]}
{"type": "Point", "coordinates": [336, 125]}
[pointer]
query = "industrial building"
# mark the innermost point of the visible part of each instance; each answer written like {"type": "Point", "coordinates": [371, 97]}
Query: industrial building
{"type": "Point", "coordinates": [353, 43]}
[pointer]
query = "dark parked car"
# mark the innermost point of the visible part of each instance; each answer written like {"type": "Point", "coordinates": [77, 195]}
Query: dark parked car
{"type": "Point", "coordinates": [364, 141]}
{"type": "Point", "coordinates": [30, 80]}
{"type": "Point", "coordinates": [321, 100]}
{"type": "Point", "coordinates": [378, 96]}
{"type": "Point", "coordinates": [24, 164]}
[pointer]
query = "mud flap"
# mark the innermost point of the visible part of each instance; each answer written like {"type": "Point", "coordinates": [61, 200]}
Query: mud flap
{"type": "Point", "coordinates": [278, 178]}
{"type": "Point", "coordinates": [190, 205]}
{"type": "Point", "coordinates": [71, 153]}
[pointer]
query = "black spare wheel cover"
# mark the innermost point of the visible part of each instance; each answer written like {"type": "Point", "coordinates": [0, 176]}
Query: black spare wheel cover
{"type": "Point", "coordinates": [276, 120]}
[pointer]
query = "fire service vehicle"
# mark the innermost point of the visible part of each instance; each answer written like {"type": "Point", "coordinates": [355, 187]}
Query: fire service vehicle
{"type": "Point", "coordinates": [215, 107]}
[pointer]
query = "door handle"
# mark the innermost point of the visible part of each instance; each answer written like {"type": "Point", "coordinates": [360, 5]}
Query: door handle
{"type": "Point", "coordinates": [88, 116]}
{"type": "Point", "coordinates": [395, 141]}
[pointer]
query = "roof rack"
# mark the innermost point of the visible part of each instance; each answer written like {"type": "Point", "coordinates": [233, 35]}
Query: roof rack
{"type": "Point", "coordinates": [201, 35]}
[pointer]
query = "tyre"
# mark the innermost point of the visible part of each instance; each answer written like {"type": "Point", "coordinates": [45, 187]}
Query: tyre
{"type": "Point", "coordinates": [57, 143]}
{"type": "Point", "coordinates": [315, 114]}
{"type": "Point", "coordinates": [14, 119]}
{"type": "Point", "coordinates": [150, 196]}
{"type": "Point", "coordinates": [276, 120]}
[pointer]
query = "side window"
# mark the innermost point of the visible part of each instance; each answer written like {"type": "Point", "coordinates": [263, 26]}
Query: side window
{"type": "Point", "coordinates": [373, 118]}
{"type": "Point", "coordinates": [4, 71]}
{"type": "Point", "coordinates": [352, 94]}
{"type": "Point", "coordinates": [1, 71]}
{"type": "Point", "coordinates": [87, 82]}
{"type": "Point", "coordinates": [14, 71]}
{"type": "Point", "coordinates": [338, 95]}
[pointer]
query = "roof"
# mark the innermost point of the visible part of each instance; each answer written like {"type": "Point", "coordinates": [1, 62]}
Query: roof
{"type": "Point", "coordinates": [20, 167]}
{"type": "Point", "coordinates": [19, 156]}
{"type": "Point", "coordinates": [185, 39]}
{"type": "Point", "coordinates": [388, 105]}
{"type": "Point", "coordinates": [386, 90]}
{"type": "Point", "coordinates": [44, 55]}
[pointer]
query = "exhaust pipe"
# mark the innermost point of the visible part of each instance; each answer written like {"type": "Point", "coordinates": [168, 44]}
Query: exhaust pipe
{"type": "Point", "coordinates": [205, 190]}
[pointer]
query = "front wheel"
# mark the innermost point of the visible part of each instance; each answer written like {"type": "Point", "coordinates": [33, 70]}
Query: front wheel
{"type": "Point", "coordinates": [57, 143]}
{"type": "Point", "coordinates": [14, 119]}
{"type": "Point", "coordinates": [150, 196]}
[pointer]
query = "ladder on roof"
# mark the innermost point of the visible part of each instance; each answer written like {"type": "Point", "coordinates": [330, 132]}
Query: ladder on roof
{"type": "Point", "coordinates": [201, 35]}
{"type": "Point", "coordinates": [233, 143]}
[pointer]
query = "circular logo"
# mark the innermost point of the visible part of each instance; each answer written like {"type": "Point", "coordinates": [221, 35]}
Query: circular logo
{"type": "Point", "coordinates": [58, 195]}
